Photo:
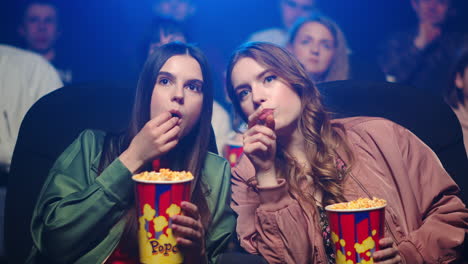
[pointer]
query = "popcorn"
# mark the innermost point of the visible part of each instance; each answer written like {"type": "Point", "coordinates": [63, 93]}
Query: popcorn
{"type": "Point", "coordinates": [360, 203]}
{"type": "Point", "coordinates": [164, 175]}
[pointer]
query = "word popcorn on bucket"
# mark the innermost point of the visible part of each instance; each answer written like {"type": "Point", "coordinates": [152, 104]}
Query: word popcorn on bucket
{"type": "Point", "coordinates": [158, 197]}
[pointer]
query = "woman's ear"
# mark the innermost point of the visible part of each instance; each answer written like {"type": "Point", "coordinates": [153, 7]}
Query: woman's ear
{"type": "Point", "coordinates": [289, 47]}
{"type": "Point", "coordinates": [459, 81]}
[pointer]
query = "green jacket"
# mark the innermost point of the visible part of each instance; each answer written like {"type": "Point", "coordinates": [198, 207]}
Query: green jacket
{"type": "Point", "coordinates": [78, 216]}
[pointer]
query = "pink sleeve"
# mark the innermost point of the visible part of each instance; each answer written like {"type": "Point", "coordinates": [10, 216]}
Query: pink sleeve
{"type": "Point", "coordinates": [270, 222]}
{"type": "Point", "coordinates": [444, 216]}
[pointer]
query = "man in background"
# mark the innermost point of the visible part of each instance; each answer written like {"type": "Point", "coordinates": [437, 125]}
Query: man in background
{"type": "Point", "coordinates": [24, 78]}
{"type": "Point", "coordinates": [40, 29]}
{"type": "Point", "coordinates": [422, 55]}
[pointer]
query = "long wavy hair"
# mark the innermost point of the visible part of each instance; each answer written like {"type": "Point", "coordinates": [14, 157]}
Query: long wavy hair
{"type": "Point", "coordinates": [339, 66]}
{"type": "Point", "coordinates": [190, 152]}
{"type": "Point", "coordinates": [320, 135]}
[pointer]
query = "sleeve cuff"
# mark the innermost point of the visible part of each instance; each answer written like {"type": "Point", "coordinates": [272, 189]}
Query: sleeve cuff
{"type": "Point", "coordinates": [274, 198]}
{"type": "Point", "coordinates": [409, 253]}
{"type": "Point", "coordinates": [116, 181]}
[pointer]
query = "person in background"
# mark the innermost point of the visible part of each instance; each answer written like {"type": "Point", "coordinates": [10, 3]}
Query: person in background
{"type": "Point", "coordinates": [456, 93]}
{"type": "Point", "coordinates": [88, 215]}
{"type": "Point", "coordinates": [320, 45]}
{"type": "Point", "coordinates": [40, 29]}
{"type": "Point", "coordinates": [163, 31]}
{"type": "Point", "coordinates": [297, 161]}
{"type": "Point", "coordinates": [179, 10]}
{"type": "Point", "coordinates": [291, 11]}
{"type": "Point", "coordinates": [422, 55]}
{"type": "Point", "coordinates": [24, 78]}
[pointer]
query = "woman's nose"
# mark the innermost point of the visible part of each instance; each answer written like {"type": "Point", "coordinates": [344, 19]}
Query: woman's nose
{"type": "Point", "coordinates": [178, 95]}
{"type": "Point", "coordinates": [314, 49]}
{"type": "Point", "coordinates": [42, 26]}
{"type": "Point", "coordinates": [258, 96]}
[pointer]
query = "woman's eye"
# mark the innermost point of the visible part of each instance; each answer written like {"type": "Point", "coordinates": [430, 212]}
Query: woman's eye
{"type": "Point", "coordinates": [242, 94]}
{"type": "Point", "coordinates": [270, 78]}
{"type": "Point", "coordinates": [164, 81]}
{"type": "Point", "coordinates": [327, 45]}
{"type": "Point", "coordinates": [194, 87]}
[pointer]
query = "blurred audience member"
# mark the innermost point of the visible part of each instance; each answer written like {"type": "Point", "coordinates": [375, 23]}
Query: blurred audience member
{"type": "Point", "coordinates": [422, 55]}
{"type": "Point", "coordinates": [165, 30]}
{"type": "Point", "coordinates": [161, 31]}
{"type": "Point", "coordinates": [179, 10]}
{"type": "Point", "coordinates": [291, 11]}
{"type": "Point", "coordinates": [40, 30]}
{"type": "Point", "coordinates": [320, 45]}
{"type": "Point", "coordinates": [456, 93]}
{"type": "Point", "coordinates": [24, 78]}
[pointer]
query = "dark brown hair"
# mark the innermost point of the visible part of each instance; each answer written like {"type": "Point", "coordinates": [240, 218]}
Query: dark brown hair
{"type": "Point", "coordinates": [191, 150]}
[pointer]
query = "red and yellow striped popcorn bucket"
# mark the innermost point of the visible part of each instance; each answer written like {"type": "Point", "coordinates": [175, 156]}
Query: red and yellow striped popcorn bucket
{"type": "Point", "coordinates": [356, 233]}
{"type": "Point", "coordinates": [157, 202]}
{"type": "Point", "coordinates": [232, 151]}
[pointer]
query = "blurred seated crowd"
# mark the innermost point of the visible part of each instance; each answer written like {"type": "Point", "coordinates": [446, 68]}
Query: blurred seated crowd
{"type": "Point", "coordinates": [428, 57]}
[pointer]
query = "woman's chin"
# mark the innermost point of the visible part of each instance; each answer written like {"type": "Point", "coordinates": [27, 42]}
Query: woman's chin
{"type": "Point", "coordinates": [285, 131]}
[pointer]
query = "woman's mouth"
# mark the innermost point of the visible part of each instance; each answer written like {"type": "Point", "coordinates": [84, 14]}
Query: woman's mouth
{"type": "Point", "coordinates": [176, 113]}
{"type": "Point", "coordinates": [313, 61]}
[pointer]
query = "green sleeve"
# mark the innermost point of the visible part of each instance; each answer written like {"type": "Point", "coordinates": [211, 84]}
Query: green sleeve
{"type": "Point", "coordinates": [76, 210]}
{"type": "Point", "coordinates": [222, 227]}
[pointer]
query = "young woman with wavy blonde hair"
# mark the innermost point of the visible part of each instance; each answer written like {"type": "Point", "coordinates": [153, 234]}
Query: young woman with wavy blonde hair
{"type": "Point", "coordinates": [297, 160]}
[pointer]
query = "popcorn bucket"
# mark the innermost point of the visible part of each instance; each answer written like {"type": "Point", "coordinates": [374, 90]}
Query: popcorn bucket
{"type": "Point", "coordinates": [232, 151]}
{"type": "Point", "coordinates": [356, 233]}
{"type": "Point", "coordinates": [157, 202]}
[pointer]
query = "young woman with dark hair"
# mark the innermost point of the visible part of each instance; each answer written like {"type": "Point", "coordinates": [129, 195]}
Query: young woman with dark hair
{"type": "Point", "coordinates": [86, 212]}
{"type": "Point", "coordinates": [297, 161]}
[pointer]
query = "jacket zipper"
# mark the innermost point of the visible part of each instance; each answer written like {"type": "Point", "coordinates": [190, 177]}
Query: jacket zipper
{"type": "Point", "coordinates": [368, 194]}
{"type": "Point", "coordinates": [112, 251]}
{"type": "Point", "coordinates": [108, 256]}
{"type": "Point", "coordinates": [104, 261]}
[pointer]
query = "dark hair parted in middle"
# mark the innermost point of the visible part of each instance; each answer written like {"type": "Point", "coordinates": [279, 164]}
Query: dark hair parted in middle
{"type": "Point", "coordinates": [321, 136]}
{"type": "Point", "coordinates": [190, 152]}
